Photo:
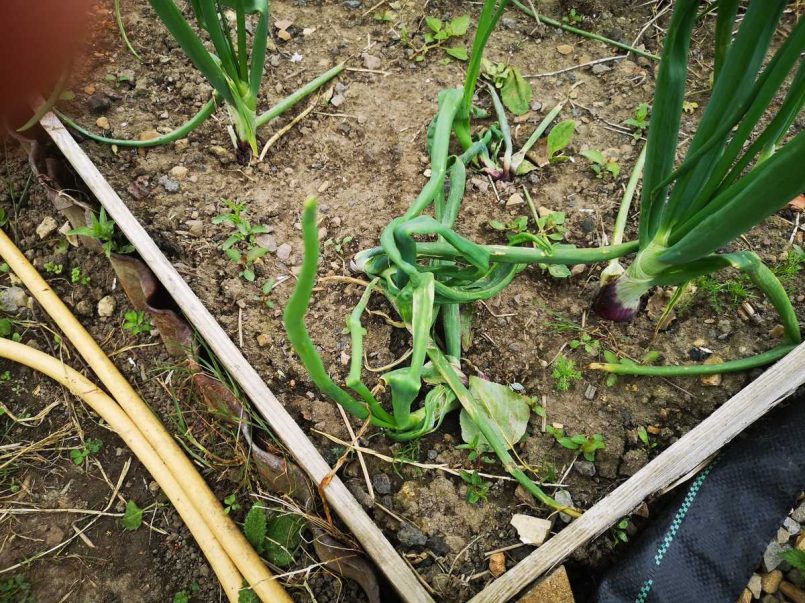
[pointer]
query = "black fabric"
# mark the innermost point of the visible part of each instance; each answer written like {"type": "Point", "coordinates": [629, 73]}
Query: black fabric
{"type": "Point", "coordinates": [707, 544]}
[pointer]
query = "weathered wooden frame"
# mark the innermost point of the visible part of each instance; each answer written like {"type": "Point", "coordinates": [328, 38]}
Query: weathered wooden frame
{"type": "Point", "coordinates": [679, 460]}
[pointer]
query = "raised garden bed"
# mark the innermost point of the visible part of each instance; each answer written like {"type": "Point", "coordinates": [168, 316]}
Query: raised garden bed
{"type": "Point", "coordinates": [364, 159]}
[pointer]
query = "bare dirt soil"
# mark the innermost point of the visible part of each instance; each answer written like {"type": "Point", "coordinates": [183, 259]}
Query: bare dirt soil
{"type": "Point", "coordinates": [366, 160]}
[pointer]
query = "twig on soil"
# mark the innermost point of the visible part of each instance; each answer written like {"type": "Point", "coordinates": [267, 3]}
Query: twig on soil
{"type": "Point", "coordinates": [461, 552]}
{"type": "Point", "coordinates": [383, 369]}
{"type": "Point", "coordinates": [364, 70]}
{"type": "Point", "coordinates": [361, 460]}
{"type": "Point", "coordinates": [432, 466]}
{"type": "Point", "coordinates": [281, 132]}
{"type": "Point", "coordinates": [36, 420]}
{"type": "Point", "coordinates": [587, 64]}
{"type": "Point", "coordinates": [503, 549]}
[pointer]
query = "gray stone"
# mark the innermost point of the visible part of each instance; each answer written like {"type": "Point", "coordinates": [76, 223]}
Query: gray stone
{"type": "Point", "coordinates": [13, 299]}
{"type": "Point", "coordinates": [563, 498]}
{"type": "Point", "coordinates": [585, 468]}
{"type": "Point", "coordinates": [169, 184]}
{"type": "Point", "coordinates": [799, 514]}
{"type": "Point", "coordinates": [195, 227]}
{"type": "Point", "coordinates": [98, 103]}
{"type": "Point", "coordinates": [409, 535]}
{"type": "Point", "coordinates": [589, 393]}
{"type": "Point", "coordinates": [791, 526]}
{"type": "Point", "coordinates": [266, 241]}
{"type": "Point", "coordinates": [382, 483]}
{"type": "Point", "coordinates": [284, 252]}
{"type": "Point", "coordinates": [771, 556]}
{"type": "Point", "coordinates": [600, 68]}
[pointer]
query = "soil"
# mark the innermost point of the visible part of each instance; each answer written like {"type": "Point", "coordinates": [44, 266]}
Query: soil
{"type": "Point", "coordinates": [366, 161]}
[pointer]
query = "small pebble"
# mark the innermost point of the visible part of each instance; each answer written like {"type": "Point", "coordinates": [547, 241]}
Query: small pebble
{"type": "Point", "coordinates": [178, 172]}
{"type": "Point", "coordinates": [563, 498]}
{"type": "Point", "coordinates": [284, 252]}
{"type": "Point", "coordinates": [754, 586]}
{"type": "Point", "coordinates": [770, 582]}
{"type": "Point", "coordinates": [13, 299]}
{"type": "Point", "coordinates": [585, 468]}
{"type": "Point", "coordinates": [589, 393]}
{"type": "Point", "coordinates": [98, 103]}
{"type": "Point", "coordinates": [799, 514]}
{"type": "Point", "coordinates": [792, 526]}
{"type": "Point", "coordinates": [103, 123]}
{"type": "Point", "coordinates": [771, 556]}
{"type": "Point", "coordinates": [381, 483]}
{"type": "Point", "coordinates": [411, 536]}
{"type": "Point", "coordinates": [497, 564]}
{"type": "Point", "coordinates": [169, 184]}
{"type": "Point", "coordinates": [106, 306]}
{"type": "Point", "coordinates": [46, 227]}
{"type": "Point", "coordinates": [515, 200]}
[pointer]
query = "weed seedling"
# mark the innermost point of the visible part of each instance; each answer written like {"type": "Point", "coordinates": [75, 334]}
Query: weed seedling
{"type": "Point", "coordinates": [601, 165]}
{"type": "Point", "coordinates": [77, 278]}
{"type": "Point", "coordinates": [515, 91]}
{"type": "Point", "coordinates": [183, 596]}
{"type": "Point", "coordinates": [619, 532]}
{"type": "Point", "coordinates": [795, 557]}
{"type": "Point", "coordinates": [646, 439]}
{"type": "Point", "coordinates": [339, 245]}
{"type": "Point", "coordinates": [587, 342]}
{"type": "Point", "coordinates": [564, 373]}
{"type": "Point", "coordinates": [16, 589]}
{"type": "Point", "coordinates": [241, 246]}
{"type": "Point", "coordinates": [231, 503]}
{"type": "Point", "coordinates": [102, 229]}
{"type": "Point", "coordinates": [265, 293]}
{"type": "Point", "coordinates": [137, 321]}
{"type": "Point", "coordinates": [586, 445]}
{"type": "Point", "coordinates": [572, 17]}
{"type": "Point", "coordinates": [132, 517]}
{"type": "Point", "coordinates": [90, 447]}
{"type": "Point", "coordinates": [559, 138]}
{"type": "Point", "coordinates": [477, 488]}
{"type": "Point", "coordinates": [438, 35]}
{"type": "Point", "coordinates": [640, 120]}
{"type": "Point", "coordinates": [53, 268]}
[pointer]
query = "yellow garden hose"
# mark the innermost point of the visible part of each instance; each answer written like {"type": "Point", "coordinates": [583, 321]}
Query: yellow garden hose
{"type": "Point", "coordinates": [119, 421]}
{"type": "Point", "coordinates": [208, 506]}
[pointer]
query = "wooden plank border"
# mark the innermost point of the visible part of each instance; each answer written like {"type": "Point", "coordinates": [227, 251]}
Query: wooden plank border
{"type": "Point", "coordinates": [685, 455]}
{"type": "Point", "coordinates": [282, 424]}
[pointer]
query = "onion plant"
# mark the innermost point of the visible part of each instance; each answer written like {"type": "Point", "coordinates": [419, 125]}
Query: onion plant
{"type": "Point", "coordinates": [713, 199]}
{"type": "Point", "coordinates": [740, 166]}
{"type": "Point", "coordinates": [232, 68]}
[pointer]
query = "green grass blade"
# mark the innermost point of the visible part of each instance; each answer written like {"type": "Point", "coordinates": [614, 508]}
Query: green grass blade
{"type": "Point", "coordinates": [746, 203]}
{"type": "Point", "coordinates": [213, 17]}
{"type": "Point", "coordinates": [727, 11]}
{"type": "Point", "coordinates": [47, 104]}
{"type": "Point", "coordinates": [243, 49]}
{"type": "Point", "coordinates": [666, 114]}
{"type": "Point", "coordinates": [192, 46]}
{"type": "Point", "coordinates": [122, 29]}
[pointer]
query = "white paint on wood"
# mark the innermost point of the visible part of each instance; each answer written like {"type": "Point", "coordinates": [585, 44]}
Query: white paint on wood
{"type": "Point", "coordinates": [282, 424]}
{"type": "Point", "coordinates": [700, 443]}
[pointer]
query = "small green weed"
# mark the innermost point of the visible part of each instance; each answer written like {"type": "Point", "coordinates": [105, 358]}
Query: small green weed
{"type": "Point", "coordinates": [137, 321]}
{"type": "Point", "coordinates": [437, 35]}
{"type": "Point", "coordinates": [724, 295]}
{"type": "Point", "coordinates": [90, 447]}
{"type": "Point", "coordinates": [241, 246]}
{"type": "Point", "coordinates": [572, 17]}
{"type": "Point", "coordinates": [640, 120]}
{"type": "Point", "coordinates": [265, 293]}
{"type": "Point", "coordinates": [795, 557]}
{"type": "Point", "coordinates": [277, 537]}
{"type": "Point", "coordinates": [77, 278]}
{"type": "Point", "coordinates": [477, 488]}
{"type": "Point", "coordinates": [183, 596]}
{"type": "Point", "coordinates": [559, 138]}
{"type": "Point", "coordinates": [102, 229]}
{"type": "Point", "coordinates": [339, 245]}
{"type": "Point", "coordinates": [790, 268]}
{"type": "Point", "coordinates": [587, 343]}
{"type": "Point", "coordinates": [16, 589]}
{"type": "Point", "coordinates": [405, 453]}
{"type": "Point", "coordinates": [53, 268]}
{"type": "Point", "coordinates": [132, 517]}
{"type": "Point", "coordinates": [644, 436]}
{"type": "Point", "coordinates": [602, 164]}
{"type": "Point", "coordinates": [586, 445]}
{"type": "Point", "coordinates": [619, 532]}
{"type": "Point", "coordinates": [564, 373]}
{"type": "Point", "coordinates": [515, 91]}
{"type": "Point", "coordinates": [231, 503]}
